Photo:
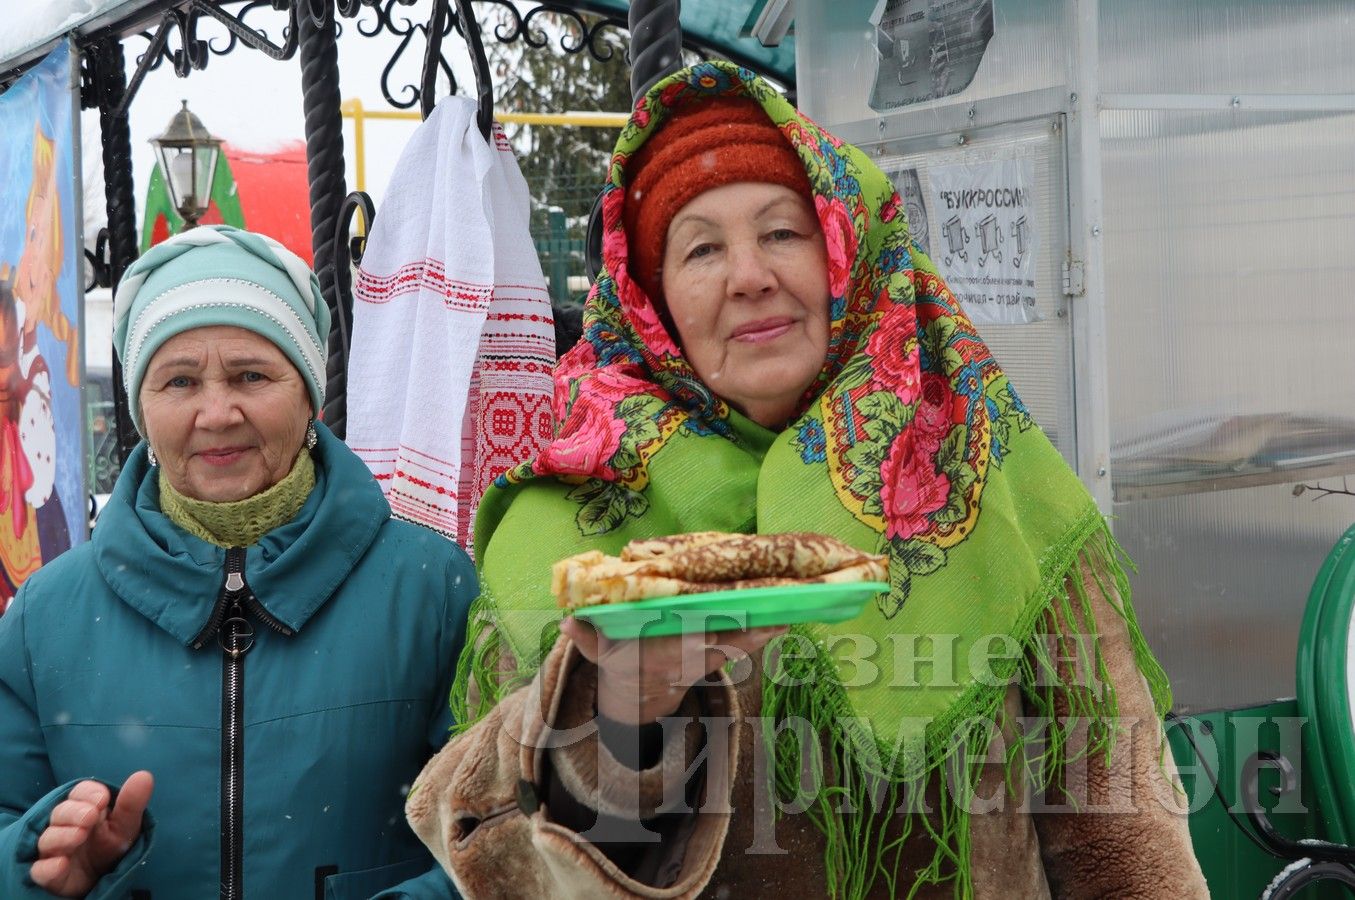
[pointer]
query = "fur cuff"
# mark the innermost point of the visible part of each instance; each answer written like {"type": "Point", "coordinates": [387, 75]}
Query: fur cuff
{"type": "Point", "coordinates": [590, 772]}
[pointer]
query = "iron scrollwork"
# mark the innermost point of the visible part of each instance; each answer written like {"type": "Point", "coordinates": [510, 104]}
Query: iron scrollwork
{"type": "Point", "coordinates": [193, 52]}
{"type": "Point", "coordinates": [348, 251]}
{"type": "Point", "coordinates": [254, 37]}
{"type": "Point", "coordinates": [387, 15]}
{"type": "Point", "coordinates": [390, 18]}
{"type": "Point", "coordinates": [580, 35]}
{"type": "Point", "coordinates": [99, 263]}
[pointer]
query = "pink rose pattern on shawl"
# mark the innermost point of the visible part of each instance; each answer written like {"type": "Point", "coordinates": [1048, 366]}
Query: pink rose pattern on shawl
{"type": "Point", "coordinates": [578, 360]}
{"type": "Point", "coordinates": [839, 236]}
{"type": "Point", "coordinates": [893, 349]}
{"type": "Point", "coordinates": [907, 450]}
{"type": "Point", "coordinates": [614, 248]}
{"type": "Point", "coordinates": [931, 422]}
{"type": "Point", "coordinates": [911, 489]}
{"type": "Point", "coordinates": [585, 444]}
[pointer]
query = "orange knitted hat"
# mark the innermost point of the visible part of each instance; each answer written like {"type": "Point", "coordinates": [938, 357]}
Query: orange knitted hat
{"type": "Point", "coordinates": [704, 145]}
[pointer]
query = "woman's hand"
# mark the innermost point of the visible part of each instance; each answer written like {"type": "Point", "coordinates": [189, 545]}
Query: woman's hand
{"type": "Point", "coordinates": [645, 679]}
{"type": "Point", "coordinates": [85, 839]}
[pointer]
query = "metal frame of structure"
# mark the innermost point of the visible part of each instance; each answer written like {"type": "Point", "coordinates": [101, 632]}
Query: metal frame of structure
{"type": "Point", "coordinates": [310, 28]}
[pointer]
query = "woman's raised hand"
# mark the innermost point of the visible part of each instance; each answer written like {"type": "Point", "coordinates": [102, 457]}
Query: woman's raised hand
{"type": "Point", "coordinates": [85, 838]}
{"type": "Point", "coordinates": [645, 679]}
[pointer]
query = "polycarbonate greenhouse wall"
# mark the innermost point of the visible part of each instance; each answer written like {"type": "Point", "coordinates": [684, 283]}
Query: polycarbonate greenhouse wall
{"type": "Point", "coordinates": [1194, 199]}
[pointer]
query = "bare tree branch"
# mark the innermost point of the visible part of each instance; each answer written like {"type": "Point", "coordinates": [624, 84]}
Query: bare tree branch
{"type": "Point", "coordinates": [1323, 492]}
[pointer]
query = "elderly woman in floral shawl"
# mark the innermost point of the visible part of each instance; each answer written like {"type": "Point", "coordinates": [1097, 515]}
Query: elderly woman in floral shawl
{"type": "Point", "coordinates": [767, 351]}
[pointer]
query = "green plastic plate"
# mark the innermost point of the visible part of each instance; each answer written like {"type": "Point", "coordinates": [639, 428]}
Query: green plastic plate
{"type": "Point", "coordinates": [731, 610]}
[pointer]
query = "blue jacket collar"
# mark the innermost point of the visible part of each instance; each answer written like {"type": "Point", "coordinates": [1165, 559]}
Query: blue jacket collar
{"type": "Point", "coordinates": [173, 578]}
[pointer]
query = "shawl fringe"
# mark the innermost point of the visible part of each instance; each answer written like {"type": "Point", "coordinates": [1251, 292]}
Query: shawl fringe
{"type": "Point", "coordinates": [861, 848]}
{"type": "Point", "coordinates": [805, 690]}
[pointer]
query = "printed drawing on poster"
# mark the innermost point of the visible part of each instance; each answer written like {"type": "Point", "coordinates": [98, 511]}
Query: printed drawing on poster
{"type": "Point", "coordinates": [987, 242]}
{"type": "Point", "coordinates": [926, 49]}
{"type": "Point", "coordinates": [909, 186]}
{"type": "Point", "coordinates": [42, 493]}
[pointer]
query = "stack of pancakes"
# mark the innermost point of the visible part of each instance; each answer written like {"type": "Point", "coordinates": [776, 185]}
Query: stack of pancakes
{"type": "Point", "coordinates": [709, 561]}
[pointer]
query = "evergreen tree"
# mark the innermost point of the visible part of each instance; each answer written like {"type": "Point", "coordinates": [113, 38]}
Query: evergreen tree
{"type": "Point", "coordinates": [565, 166]}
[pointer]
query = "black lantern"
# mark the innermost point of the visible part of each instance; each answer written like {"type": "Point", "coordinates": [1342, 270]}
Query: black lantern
{"type": "Point", "coordinates": [187, 152]}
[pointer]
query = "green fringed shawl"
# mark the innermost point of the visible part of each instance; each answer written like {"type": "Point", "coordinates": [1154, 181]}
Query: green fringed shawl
{"type": "Point", "coordinates": [911, 443]}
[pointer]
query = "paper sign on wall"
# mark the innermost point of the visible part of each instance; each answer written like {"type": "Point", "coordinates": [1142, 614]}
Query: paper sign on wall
{"type": "Point", "coordinates": [987, 243]}
{"type": "Point", "coordinates": [927, 49]}
{"type": "Point", "coordinates": [909, 187]}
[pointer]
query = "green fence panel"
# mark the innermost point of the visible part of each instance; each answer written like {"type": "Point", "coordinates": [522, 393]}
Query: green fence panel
{"type": "Point", "coordinates": [1235, 867]}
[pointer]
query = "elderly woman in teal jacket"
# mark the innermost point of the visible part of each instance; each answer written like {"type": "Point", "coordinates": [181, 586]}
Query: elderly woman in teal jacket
{"type": "Point", "coordinates": [230, 688]}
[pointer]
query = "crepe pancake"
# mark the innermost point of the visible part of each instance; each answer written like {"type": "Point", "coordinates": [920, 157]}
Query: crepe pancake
{"type": "Point", "coordinates": [709, 561]}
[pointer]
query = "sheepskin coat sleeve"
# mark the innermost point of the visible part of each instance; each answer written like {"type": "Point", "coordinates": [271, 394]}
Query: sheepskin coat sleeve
{"type": "Point", "coordinates": [529, 803]}
{"type": "Point", "coordinates": [1126, 834]}
{"type": "Point", "coordinates": [486, 806]}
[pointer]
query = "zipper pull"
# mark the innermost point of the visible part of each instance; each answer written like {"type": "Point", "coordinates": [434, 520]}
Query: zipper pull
{"type": "Point", "coordinates": [237, 633]}
{"type": "Point", "coordinates": [228, 602]}
{"type": "Point", "coordinates": [236, 636]}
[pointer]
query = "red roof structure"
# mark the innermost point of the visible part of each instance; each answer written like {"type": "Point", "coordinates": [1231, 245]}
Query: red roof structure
{"type": "Point", "coordinates": [264, 191]}
{"type": "Point", "coordinates": [274, 194]}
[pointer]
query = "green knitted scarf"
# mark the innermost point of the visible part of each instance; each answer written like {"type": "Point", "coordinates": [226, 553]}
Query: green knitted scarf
{"type": "Point", "coordinates": [911, 443]}
{"type": "Point", "coordinates": [241, 523]}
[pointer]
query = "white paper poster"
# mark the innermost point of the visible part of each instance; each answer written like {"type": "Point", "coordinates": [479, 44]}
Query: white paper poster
{"type": "Point", "coordinates": [927, 49]}
{"type": "Point", "coordinates": [986, 240]}
{"type": "Point", "coordinates": [909, 187]}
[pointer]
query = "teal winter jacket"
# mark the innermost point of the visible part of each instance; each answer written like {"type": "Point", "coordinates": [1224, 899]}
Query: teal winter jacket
{"type": "Point", "coordinates": [112, 660]}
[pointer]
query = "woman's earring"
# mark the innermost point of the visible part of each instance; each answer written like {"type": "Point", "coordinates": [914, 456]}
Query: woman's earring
{"type": "Point", "coordinates": [151, 457]}
{"type": "Point", "coordinates": [311, 437]}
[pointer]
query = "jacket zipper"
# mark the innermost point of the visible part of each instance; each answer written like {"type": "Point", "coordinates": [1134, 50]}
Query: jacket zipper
{"type": "Point", "coordinates": [230, 623]}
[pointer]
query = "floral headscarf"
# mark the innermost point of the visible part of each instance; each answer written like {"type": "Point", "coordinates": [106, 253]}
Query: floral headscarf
{"type": "Point", "coordinates": [911, 442]}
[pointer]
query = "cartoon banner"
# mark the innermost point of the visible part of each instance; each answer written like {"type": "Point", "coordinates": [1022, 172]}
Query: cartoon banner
{"type": "Point", "coordinates": [42, 485]}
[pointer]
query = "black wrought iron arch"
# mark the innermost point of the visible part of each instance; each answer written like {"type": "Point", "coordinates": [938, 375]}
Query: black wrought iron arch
{"type": "Point", "coordinates": [308, 29]}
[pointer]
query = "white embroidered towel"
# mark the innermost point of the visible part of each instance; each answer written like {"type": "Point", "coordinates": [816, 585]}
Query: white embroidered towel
{"type": "Point", "coordinates": [453, 340]}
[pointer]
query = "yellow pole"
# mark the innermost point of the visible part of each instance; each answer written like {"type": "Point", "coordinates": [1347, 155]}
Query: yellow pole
{"type": "Point", "coordinates": [352, 109]}
{"type": "Point", "coordinates": [575, 119]}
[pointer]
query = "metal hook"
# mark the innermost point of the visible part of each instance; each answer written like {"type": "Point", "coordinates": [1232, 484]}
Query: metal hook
{"type": "Point", "coordinates": [349, 250]}
{"type": "Point", "coordinates": [484, 85]}
{"type": "Point", "coordinates": [470, 30]}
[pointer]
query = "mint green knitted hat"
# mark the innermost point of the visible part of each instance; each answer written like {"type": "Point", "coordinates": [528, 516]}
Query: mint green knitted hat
{"type": "Point", "coordinates": [219, 275]}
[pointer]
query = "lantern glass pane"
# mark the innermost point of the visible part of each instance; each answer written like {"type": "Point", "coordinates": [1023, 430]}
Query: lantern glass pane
{"type": "Point", "coordinates": [163, 155]}
{"type": "Point", "coordinates": [181, 178]}
{"type": "Point", "coordinates": [205, 158]}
